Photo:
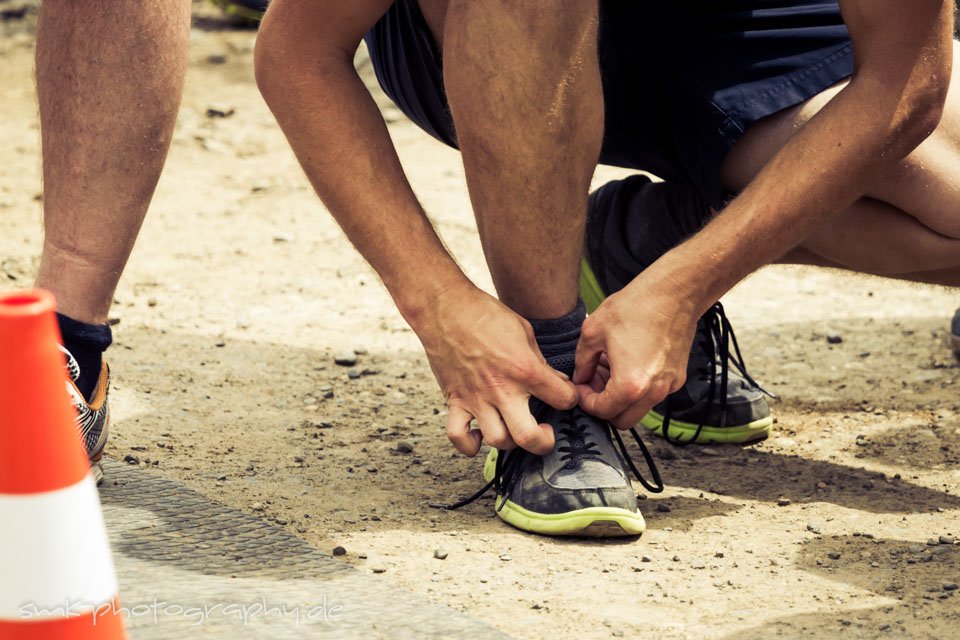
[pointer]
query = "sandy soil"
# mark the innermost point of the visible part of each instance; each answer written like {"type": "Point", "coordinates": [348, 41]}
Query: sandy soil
{"type": "Point", "coordinates": [243, 289]}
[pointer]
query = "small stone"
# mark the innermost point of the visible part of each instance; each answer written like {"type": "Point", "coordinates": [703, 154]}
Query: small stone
{"type": "Point", "coordinates": [675, 558]}
{"type": "Point", "coordinates": [353, 374]}
{"type": "Point", "coordinates": [646, 559]}
{"type": "Point", "coordinates": [131, 459]}
{"type": "Point", "coordinates": [950, 586]}
{"type": "Point", "coordinates": [257, 506]}
{"type": "Point", "coordinates": [813, 527]}
{"type": "Point", "coordinates": [346, 359]}
{"type": "Point", "coordinates": [834, 338]}
{"type": "Point", "coordinates": [783, 502]}
{"type": "Point", "coordinates": [505, 557]}
{"type": "Point", "coordinates": [339, 551]}
{"type": "Point", "coordinates": [362, 556]}
{"type": "Point", "coordinates": [617, 633]}
{"type": "Point", "coordinates": [220, 111]}
{"type": "Point", "coordinates": [216, 58]}
{"type": "Point", "coordinates": [946, 540]}
{"type": "Point", "coordinates": [833, 555]}
{"type": "Point", "coordinates": [152, 302]}
{"type": "Point", "coordinates": [404, 447]}
{"type": "Point", "coordinates": [709, 451]}
{"type": "Point", "coordinates": [718, 554]}
{"type": "Point", "coordinates": [663, 508]}
{"type": "Point", "coordinates": [379, 569]}
{"type": "Point", "coordinates": [440, 553]}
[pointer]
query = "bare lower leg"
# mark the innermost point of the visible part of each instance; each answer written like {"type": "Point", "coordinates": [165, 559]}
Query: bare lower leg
{"type": "Point", "coordinates": [109, 79]}
{"type": "Point", "coordinates": [523, 83]}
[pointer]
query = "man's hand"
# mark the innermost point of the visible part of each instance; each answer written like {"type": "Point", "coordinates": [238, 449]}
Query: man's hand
{"type": "Point", "coordinates": [633, 351]}
{"type": "Point", "coordinates": [487, 363]}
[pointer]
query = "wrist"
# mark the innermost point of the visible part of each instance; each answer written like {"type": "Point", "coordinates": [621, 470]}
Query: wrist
{"type": "Point", "coordinates": [417, 300]}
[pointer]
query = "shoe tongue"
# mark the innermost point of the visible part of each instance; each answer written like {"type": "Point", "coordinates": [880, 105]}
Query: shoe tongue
{"type": "Point", "coordinates": [574, 463]}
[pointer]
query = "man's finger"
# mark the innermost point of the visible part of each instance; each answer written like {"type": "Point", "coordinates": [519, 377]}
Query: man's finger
{"type": "Point", "coordinates": [606, 404]}
{"type": "Point", "coordinates": [535, 438]}
{"type": "Point", "coordinates": [494, 430]}
{"type": "Point", "coordinates": [629, 418]}
{"type": "Point", "coordinates": [464, 439]}
{"type": "Point", "coordinates": [555, 391]}
{"type": "Point", "coordinates": [585, 362]}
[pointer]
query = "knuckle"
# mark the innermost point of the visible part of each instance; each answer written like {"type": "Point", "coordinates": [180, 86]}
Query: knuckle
{"type": "Point", "coordinates": [526, 371]}
{"type": "Point", "coordinates": [590, 330]}
{"type": "Point", "coordinates": [635, 387]}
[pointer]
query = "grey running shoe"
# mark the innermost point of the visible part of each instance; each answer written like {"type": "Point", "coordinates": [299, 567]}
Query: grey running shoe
{"type": "Point", "coordinates": [93, 418]}
{"type": "Point", "coordinates": [581, 488]}
{"type": "Point", "coordinates": [633, 222]}
{"type": "Point", "coordinates": [955, 333]}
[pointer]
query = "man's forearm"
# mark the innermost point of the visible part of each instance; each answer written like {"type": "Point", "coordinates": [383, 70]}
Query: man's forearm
{"type": "Point", "coordinates": [343, 145]}
{"type": "Point", "coordinates": [872, 124]}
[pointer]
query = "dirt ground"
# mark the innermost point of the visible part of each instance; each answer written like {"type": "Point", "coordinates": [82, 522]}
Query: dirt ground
{"type": "Point", "coordinates": [242, 289]}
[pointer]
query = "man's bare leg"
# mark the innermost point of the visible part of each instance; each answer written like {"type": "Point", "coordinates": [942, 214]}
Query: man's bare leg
{"type": "Point", "coordinates": [523, 83]}
{"type": "Point", "coordinates": [908, 227]}
{"type": "Point", "coordinates": [109, 78]}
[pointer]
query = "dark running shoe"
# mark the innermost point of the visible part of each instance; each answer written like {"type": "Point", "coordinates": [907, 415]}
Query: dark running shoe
{"type": "Point", "coordinates": [93, 418]}
{"type": "Point", "coordinates": [581, 488]}
{"type": "Point", "coordinates": [632, 223]}
{"type": "Point", "coordinates": [248, 9]}
{"type": "Point", "coordinates": [955, 333]}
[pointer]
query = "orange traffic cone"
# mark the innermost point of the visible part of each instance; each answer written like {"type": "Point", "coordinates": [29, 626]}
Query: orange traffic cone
{"type": "Point", "coordinates": [57, 580]}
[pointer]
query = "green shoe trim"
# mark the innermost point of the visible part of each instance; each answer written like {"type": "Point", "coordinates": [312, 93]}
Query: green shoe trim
{"type": "Point", "coordinates": [736, 434]}
{"type": "Point", "coordinates": [590, 289]}
{"type": "Point", "coordinates": [600, 522]}
{"type": "Point", "coordinates": [243, 12]}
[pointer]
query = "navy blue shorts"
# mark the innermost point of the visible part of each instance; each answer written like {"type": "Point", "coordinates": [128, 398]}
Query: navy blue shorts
{"type": "Point", "coordinates": [682, 79]}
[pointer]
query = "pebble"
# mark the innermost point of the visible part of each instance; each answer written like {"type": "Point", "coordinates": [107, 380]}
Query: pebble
{"type": "Point", "coordinates": [257, 506]}
{"type": "Point", "coordinates": [813, 527]}
{"type": "Point", "coordinates": [404, 447]}
{"type": "Point", "coordinates": [220, 111]}
{"type": "Point", "coordinates": [339, 551]}
{"type": "Point", "coordinates": [834, 338]}
{"type": "Point", "coordinates": [131, 459]}
{"type": "Point", "coordinates": [783, 502]}
{"type": "Point", "coordinates": [379, 569]}
{"type": "Point", "coordinates": [718, 554]}
{"type": "Point", "coordinates": [950, 586]}
{"type": "Point", "coordinates": [833, 555]}
{"type": "Point", "coordinates": [709, 451]}
{"type": "Point", "coordinates": [946, 540]}
{"type": "Point", "coordinates": [663, 508]}
{"type": "Point", "coordinates": [346, 359]}
{"type": "Point", "coordinates": [646, 559]}
{"type": "Point", "coordinates": [505, 557]}
{"type": "Point", "coordinates": [353, 374]}
{"type": "Point", "coordinates": [440, 553]}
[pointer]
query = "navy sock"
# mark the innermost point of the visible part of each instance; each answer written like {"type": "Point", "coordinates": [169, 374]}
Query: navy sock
{"type": "Point", "coordinates": [557, 338]}
{"type": "Point", "coordinates": [86, 343]}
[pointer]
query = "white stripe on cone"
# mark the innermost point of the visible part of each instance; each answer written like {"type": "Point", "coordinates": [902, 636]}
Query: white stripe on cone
{"type": "Point", "coordinates": [54, 553]}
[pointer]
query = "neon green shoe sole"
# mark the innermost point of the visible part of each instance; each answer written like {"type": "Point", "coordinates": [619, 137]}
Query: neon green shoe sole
{"type": "Point", "coordinates": [684, 431]}
{"type": "Point", "coordinates": [238, 10]}
{"type": "Point", "coordinates": [594, 522]}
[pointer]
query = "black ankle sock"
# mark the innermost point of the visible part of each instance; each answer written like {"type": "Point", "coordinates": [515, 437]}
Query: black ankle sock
{"type": "Point", "coordinates": [557, 338]}
{"type": "Point", "coordinates": [86, 343]}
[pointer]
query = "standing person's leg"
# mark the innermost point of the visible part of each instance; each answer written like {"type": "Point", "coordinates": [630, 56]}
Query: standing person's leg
{"type": "Point", "coordinates": [109, 80]}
